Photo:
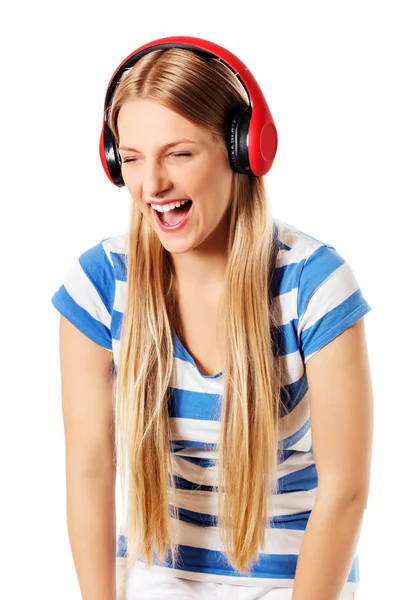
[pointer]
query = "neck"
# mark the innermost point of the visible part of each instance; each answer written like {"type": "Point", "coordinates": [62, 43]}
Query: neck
{"type": "Point", "coordinates": [205, 265]}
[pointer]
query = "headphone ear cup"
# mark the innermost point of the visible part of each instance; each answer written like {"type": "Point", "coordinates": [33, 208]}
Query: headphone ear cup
{"type": "Point", "coordinates": [112, 157]}
{"type": "Point", "coordinates": [238, 140]}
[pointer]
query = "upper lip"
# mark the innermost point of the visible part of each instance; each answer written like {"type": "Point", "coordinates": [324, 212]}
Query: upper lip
{"type": "Point", "coordinates": [162, 202]}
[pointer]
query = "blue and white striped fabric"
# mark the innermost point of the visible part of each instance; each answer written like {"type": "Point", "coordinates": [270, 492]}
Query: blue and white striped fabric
{"type": "Point", "coordinates": [317, 297]}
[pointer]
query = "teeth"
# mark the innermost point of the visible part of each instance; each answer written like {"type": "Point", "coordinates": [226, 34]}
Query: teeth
{"type": "Point", "coordinates": [167, 207]}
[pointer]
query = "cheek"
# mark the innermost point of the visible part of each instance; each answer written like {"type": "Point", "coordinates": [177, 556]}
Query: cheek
{"type": "Point", "coordinates": [133, 186]}
{"type": "Point", "coordinates": [135, 195]}
{"type": "Point", "coordinates": [205, 181]}
{"type": "Point", "coordinates": [219, 184]}
{"type": "Point", "coordinates": [131, 180]}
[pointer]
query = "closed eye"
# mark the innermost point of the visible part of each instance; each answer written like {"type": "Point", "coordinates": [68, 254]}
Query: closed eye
{"type": "Point", "coordinates": [126, 160]}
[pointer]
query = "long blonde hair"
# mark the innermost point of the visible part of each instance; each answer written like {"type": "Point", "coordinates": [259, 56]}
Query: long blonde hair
{"type": "Point", "coordinates": [206, 92]}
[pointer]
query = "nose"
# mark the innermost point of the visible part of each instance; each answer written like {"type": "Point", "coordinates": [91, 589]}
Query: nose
{"type": "Point", "coordinates": [155, 179]}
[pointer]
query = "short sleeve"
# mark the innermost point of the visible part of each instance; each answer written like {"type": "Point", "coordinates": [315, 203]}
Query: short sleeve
{"type": "Point", "coordinates": [86, 296]}
{"type": "Point", "coordinates": [329, 300]}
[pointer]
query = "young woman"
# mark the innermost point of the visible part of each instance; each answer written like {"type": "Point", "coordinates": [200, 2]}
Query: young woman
{"type": "Point", "coordinates": [220, 353]}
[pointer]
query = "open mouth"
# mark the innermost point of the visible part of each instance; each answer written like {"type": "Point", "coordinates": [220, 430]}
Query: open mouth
{"type": "Point", "coordinates": [174, 216]}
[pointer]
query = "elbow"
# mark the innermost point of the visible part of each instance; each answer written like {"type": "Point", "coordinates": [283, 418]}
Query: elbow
{"type": "Point", "coordinates": [329, 498]}
{"type": "Point", "coordinates": [361, 498]}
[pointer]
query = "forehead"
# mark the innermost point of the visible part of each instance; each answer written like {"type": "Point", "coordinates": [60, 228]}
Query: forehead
{"type": "Point", "coordinates": [146, 123]}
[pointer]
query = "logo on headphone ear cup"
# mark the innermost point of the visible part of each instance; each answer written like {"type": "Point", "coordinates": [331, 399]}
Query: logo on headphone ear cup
{"type": "Point", "coordinates": [238, 140]}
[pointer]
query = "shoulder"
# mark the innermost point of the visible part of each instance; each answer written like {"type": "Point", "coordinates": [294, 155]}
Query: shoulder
{"type": "Point", "coordinates": [306, 262]}
{"type": "Point", "coordinates": [295, 245]}
{"type": "Point", "coordinates": [86, 296]}
{"type": "Point", "coordinates": [298, 254]}
{"type": "Point", "coordinates": [91, 279]}
{"type": "Point", "coordinates": [105, 261]}
{"type": "Point", "coordinates": [115, 248]}
{"type": "Point", "coordinates": [107, 249]}
{"type": "Point", "coordinates": [115, 245]}
{"type": "Point", "coordinates": [317, 287]}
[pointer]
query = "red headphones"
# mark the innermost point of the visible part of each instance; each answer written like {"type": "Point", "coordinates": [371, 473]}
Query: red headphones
{"type": "Point", "coordinates": [253, 138]}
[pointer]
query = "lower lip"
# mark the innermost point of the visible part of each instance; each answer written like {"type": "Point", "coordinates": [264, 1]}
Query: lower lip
{"type": "Point", "coordinates": [172, 228]}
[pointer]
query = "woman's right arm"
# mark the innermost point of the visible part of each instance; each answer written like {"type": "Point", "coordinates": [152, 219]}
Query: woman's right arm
{"type": "Point", "coordinates": [87, 406]}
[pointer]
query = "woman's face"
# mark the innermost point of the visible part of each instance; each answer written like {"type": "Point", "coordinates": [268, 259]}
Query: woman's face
{"type": "Point", "coordinates": [198, 170]}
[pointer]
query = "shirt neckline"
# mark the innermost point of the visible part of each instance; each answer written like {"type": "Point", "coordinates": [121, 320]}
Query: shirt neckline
{"type": "Point", "coordinates": [191, 359]}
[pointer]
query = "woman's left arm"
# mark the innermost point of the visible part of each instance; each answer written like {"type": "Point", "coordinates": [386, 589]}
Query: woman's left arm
{"type": "Point", "coordinates": [341, 408]}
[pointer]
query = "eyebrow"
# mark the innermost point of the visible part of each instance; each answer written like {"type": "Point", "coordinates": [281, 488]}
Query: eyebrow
{"type": "Point", "coordinates": [162, 148]}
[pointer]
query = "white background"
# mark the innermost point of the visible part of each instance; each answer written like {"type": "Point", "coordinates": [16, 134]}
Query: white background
{"type": "Point", "coordinates": [330, 75]}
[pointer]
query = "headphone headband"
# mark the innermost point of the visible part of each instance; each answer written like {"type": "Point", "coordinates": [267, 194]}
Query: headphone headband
{"type": "Point", "coordinates": [253, 137]}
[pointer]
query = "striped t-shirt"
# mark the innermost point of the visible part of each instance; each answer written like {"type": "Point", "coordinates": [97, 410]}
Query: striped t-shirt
{"type": "Point", "coordinates": [318, 297]}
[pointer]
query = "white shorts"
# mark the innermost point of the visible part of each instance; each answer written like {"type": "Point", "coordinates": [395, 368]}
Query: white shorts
{"type": "Point", "coordinates": [146, 584]}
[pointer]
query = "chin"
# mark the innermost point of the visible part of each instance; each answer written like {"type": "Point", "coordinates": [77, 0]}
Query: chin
{"type": "Point", "coordinates": [177, 246]}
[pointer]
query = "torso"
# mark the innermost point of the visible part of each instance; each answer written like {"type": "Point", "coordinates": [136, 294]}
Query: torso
{"type": "Point", "coordinates": [198, 313]}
